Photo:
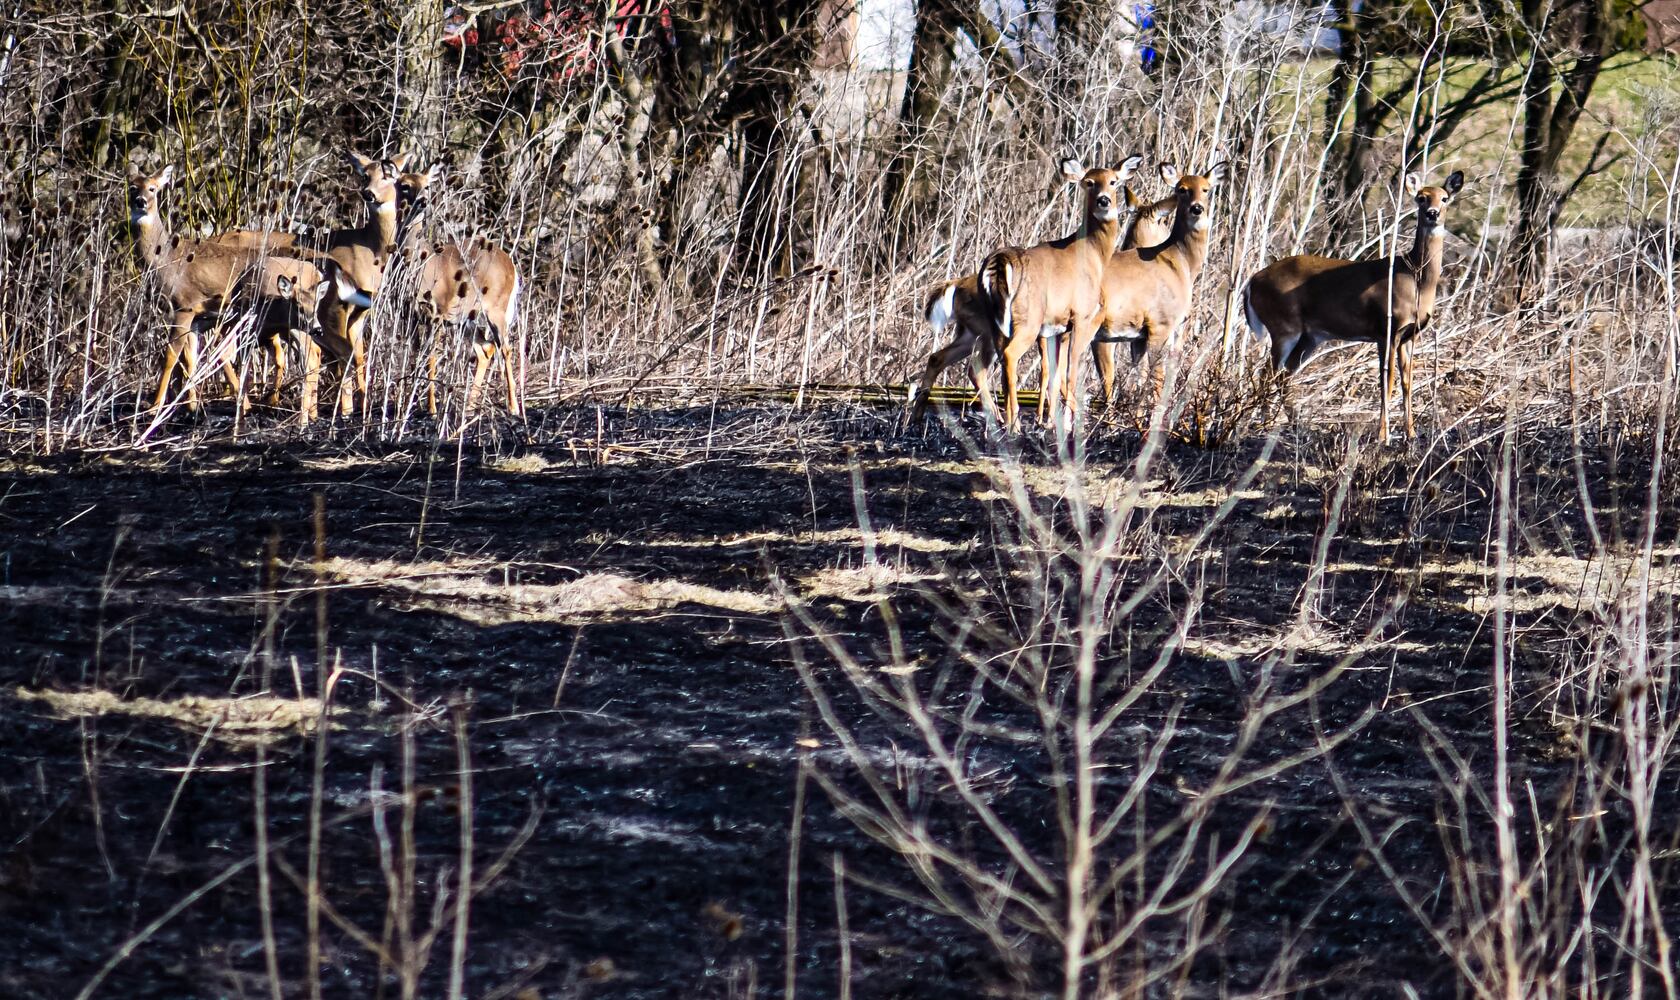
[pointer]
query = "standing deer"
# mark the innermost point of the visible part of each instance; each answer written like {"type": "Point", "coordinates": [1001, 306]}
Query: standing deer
{"type": "Point", "coordinates": [201, 279]}
{"type": "Point", "coordinates": [1151, 226]}
{"type": "Point", "coordinates": [1053, 286]}
{"type": "Point", "coordinates": [355, 266]}
{"type": "Point", "coordinates": [964, 303]}
{"type": "Point", "coordinates": [359, 254]}
{"type": "Point", "coordinates": [1146, 291]}
{"type": "Point", "coordinates": [1302, 302]}
{"type": "Point", "coordinates": [462, 286]}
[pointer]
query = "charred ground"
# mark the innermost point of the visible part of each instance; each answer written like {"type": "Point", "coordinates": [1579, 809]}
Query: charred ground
{"type": "Point", "coordinates": [606, 603]}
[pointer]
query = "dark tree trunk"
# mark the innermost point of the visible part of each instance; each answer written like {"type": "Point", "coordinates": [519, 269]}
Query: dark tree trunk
{"type": "Point", "coordinates": [909, 181]}
{"type": "Point", "coordinates": [1353, 115]}
{"type": "Point", "coordinates": [1549, 122]}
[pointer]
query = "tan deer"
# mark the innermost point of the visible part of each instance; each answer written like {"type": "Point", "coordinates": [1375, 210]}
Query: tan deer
{"type": "Point", "coordinates": [963, 303]}
{"type": "Point", "coordinates": [358, 256]}
{"type": "Point", "coordinates": [202, 279]}
{"type": "Point", "coordinates": [355, 267]}
{"type": "Point", "coordinates": [474, 285]}
{"type": "Point", "coordinates": [1151, 226]}
{"type": "Point", "coordinates": [1053, 286]}
{"type": "Point", "coordinates": [1146, 291]}
{"type": "Point", "coordinates": [1300, 303]}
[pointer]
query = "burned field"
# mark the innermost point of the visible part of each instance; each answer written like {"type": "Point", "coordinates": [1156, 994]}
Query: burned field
{"type": "Point", "coordinates": [684, 651]}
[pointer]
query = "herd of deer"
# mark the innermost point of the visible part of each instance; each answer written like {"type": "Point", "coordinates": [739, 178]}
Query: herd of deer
{"type": "Point", "coordinates": [318, 295]}
{"type": "Point", "coordinates": [1099, 287]}
{"type": "Point", "coordinates": [1103, 285]}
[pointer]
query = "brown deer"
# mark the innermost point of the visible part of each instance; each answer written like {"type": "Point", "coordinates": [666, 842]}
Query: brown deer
{"type": "Point", "coordinates": [355, 267]}
{"type": "Point", "coordinates": [1050, 287]}
{"type": "Point", "coordinates": [474, 285]}
{"type": "Point", "coordinates": [1146, 291]}
{"type": "Point", "coordinates": [1151, 226]}
{"type": "Point", "coordinates": [359, 255]}
{"type": "Point", "coordinates": [962, 302]}
{"type": "Point", "coordinates": [201, 279]}
{"type": "Point", "coordinates": [1300, 303]}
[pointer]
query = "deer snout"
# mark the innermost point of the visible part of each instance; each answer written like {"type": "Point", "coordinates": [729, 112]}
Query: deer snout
{"type": "Point", "coordinates": [1432, 215]}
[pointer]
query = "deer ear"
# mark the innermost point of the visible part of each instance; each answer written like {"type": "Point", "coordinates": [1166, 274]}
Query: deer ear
{"type": "Point", "coordinates": [362, 163]}
{"type": "Point", "coordinates": [1127, 167]}
{"type": "Point", "coordinates": [1414, 184]}
{"type": "Point", "coordinates": [284, 284]}
{"type": "Point", "coordinates": [433, 172]}
{"type": "Point", "coordinates": [1216, 173]}
{"type": "Point", "coordinates": [1169, 171]}
{"type": "Point", "coordinates": [168, 175]}
{"type": "Point", "coordinates": [400, 161]}
{"type": "Point", "coordinates": [1072, 170]}
{"type": "Point", "coordinates": [1455, 182]}
{"type": "Point", "coordinates": [1132, 199]}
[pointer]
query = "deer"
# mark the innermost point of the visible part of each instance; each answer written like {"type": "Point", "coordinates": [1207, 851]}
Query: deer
{"type": "Point", "coordinates": [1151, 226]}
{"type": "Point", "coordinates": [358, 255]}
{"type": "Point", "coordinates": [1052, 286]}
{"type": "Point", "coordinates": [962, 302]}
{"type": "Point", "coordinates": [200, 279]}
{"type": "Point", "coordinates": [1300, 303]}
{"type": "Point", "coordinates": [1146, 291]}
{"type": "Point", "coordinates": [461, 285]}
{"type": "Point", "coordinates": [354, 267]}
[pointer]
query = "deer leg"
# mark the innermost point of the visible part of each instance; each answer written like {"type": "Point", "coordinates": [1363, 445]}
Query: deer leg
{"type": "Point", "coordinates": [277, 347]}
{"type": "Point", "coordinates": [964, 346]}
{"type": "Point", "coordinates": [1080, 338]}
{"type": "Point", "coordinates": [431, 382]}
{"type": "Point", "coordinates": [357, 362]}
{"type": "Point", "coordinates": [1385, 379]}
{"type": "Point", "coordinates": [309, 356]}
{"type": "Point", "coordinates": [180, 329]}
{"type": "Point", "coordinates": [189, 368]}
{"type": "Point", "coordinates": [235, 382]}
{"type": "Point", "coordinates": [1050, 363]}
{"type": "Point", "coordinates": [358, 345]}
{"type": "Point", "coordinates": [506, 357]}
{"type": "Point", "coordinates": [1406, 385]}
{"type": "Point", "coordinates": [1102, 355]}
{"type": "Point", "coordinates": [980, 373]}
{"type": "Point", "coordinates": [435, 329]}
{"type": "Point", "coordinates": [483, 354]}
{"type": "Point", "coordinates": [1026, 326]}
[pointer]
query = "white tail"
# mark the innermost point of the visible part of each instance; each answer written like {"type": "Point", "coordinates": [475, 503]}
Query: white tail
{"type": "Point", "coordinates": [1256, 325]}
{"type": "Point", "coordinates": [941, 308]}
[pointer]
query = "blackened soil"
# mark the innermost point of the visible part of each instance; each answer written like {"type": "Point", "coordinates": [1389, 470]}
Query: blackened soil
{"type": "Point", "coordinates": [603, 609]}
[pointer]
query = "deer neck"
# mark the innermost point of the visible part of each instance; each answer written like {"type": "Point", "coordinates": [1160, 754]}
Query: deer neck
{"type": "Point", "coordinates": [379, 232]}
{"type": "Point", "coordinates": [1189, 241]}
{"type": "Point", "coordinates": [1102, 235]}
{"type": "Point", "coordinates": [1424, 260]}
{"type": "Point", "coordinates": [152, 238]}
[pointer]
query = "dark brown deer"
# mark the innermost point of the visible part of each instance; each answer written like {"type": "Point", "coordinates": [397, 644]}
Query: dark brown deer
{"type": "Point", "coordinates": [1301, 303]}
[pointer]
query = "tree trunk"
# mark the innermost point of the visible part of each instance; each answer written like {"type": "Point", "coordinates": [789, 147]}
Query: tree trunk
{"type": "Point", "coordinates": [909, 181]}
{"type": "Point", "coordinates": [1548, 125]}
{"type": "Point", "coordinates": [1353, 115]}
